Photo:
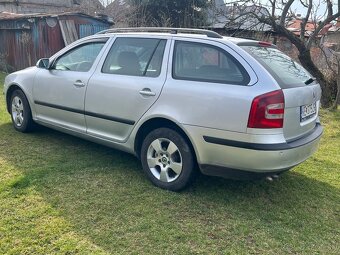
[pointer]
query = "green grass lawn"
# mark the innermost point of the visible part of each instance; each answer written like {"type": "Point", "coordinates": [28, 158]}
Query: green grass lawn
{"type": "Point", "coordinates": [63, 195]}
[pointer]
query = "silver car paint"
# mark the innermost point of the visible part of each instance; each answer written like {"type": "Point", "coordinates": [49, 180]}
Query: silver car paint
{"type": "Point", "coordinates": [245, 159]}
{"type": "Point", "coordinates": [120, 96]}
{"type": "Point", "coordinates": [294, 98]}
{"type": "Point", "coordinates": [217, 110]}
{"type": "Point", "coordinates": [61, 88]}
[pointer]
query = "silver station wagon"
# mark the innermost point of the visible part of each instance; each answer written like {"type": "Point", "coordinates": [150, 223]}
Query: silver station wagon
{"type": "Point", "coordinates": [181, 100]}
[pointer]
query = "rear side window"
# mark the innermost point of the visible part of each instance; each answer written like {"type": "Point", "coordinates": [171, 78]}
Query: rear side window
{"type": "Point", "coordinates": [207, 63]}
{"type": "Point", "coordinates": [135, 57]}
{"type": "Point", "coordinates": [286, 71]}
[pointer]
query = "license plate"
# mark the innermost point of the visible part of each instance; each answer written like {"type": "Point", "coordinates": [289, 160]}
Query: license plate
{"type": "Point", "coordinates": [307, 111]}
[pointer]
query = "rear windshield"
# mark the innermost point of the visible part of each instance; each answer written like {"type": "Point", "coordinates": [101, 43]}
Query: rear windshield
{"type": "Point", "coordinates": [286, 71]}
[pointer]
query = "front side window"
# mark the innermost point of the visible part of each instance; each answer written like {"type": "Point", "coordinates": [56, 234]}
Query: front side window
{"type": "Point", "coordinates": [79, 59]}
{"type": "Point", "coordinates": [207, 63]}
{"type": "Point", "coordinates": [135, 57]}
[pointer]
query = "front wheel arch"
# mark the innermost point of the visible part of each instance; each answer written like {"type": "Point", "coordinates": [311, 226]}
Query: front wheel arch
{"type": "Point", "coordinates": [9, 93]}
{"type": "Point", "coordinates": [22, 111]}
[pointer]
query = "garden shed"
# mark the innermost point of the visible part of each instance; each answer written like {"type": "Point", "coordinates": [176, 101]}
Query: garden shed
{"type": "Point", "coordinates": [25, 38]}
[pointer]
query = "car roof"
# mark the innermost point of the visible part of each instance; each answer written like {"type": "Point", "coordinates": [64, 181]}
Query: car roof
{"type": "Point", "coordinates": [205, 35]}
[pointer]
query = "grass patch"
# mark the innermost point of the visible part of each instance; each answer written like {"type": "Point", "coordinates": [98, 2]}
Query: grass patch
{"type": "Point", "coordinates": [63, 195]}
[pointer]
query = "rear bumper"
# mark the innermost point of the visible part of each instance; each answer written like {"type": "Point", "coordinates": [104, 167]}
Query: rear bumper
{"type": "Point", "coordinates": [236, 174]}
{"type": "Point", "coordinates": [229, 158]}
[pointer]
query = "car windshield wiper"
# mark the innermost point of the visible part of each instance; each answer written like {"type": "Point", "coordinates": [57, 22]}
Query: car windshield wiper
{"type": "Point", "coordinates": [309, 81]}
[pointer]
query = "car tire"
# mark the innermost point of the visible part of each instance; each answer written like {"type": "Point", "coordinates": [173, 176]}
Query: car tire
{"type": "Point", "coordinates": [167, 159]}
{"type": "Point", "coordinates": [21, 112]}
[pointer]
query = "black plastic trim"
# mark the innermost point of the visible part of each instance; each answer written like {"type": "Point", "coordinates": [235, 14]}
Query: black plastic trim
{"type": "Point", "coordinates": [313, 135]}
{"type": "Point", "coordinates": [59, 107]}
{"type": "Point", "coordinates": [96, 115]}
{"type": "Point", "coordinates": [106, 117]}
{"type": "Point", "coordinates": [237, 174]}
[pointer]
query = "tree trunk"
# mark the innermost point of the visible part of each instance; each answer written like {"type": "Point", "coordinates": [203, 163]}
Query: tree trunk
{"type": "Point", "coordinates": [306, 61]}
{"type": "Point", "coordinates": [337, 98]}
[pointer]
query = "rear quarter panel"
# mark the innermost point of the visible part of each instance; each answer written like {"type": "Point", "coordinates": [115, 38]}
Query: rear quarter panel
{"type": "Point", "coordinates": [213, 105]}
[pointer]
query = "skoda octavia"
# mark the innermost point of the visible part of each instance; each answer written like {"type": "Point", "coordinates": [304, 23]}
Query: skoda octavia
{"type": "Point", "coordinates": [181, 100]}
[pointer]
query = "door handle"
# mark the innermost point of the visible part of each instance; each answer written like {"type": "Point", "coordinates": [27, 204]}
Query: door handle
{"type": "Point", "coordinates": [147, 92]}
{"type": "Point", "coordinates": [79, 84]}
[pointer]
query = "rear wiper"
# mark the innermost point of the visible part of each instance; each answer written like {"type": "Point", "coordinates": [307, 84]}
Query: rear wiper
{"type": "Point", "coordinates": [309, 81]}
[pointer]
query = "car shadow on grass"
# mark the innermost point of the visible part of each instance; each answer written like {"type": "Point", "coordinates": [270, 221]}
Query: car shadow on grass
{"type": "Point", "coordinates": [105, 196]}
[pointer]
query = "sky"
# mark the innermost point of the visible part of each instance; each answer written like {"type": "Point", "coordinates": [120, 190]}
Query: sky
{"type": "Point", "coordinates": [298, 8]}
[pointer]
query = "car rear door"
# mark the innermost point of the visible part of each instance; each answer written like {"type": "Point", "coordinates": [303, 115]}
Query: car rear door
{"type": "Point", "coordinates": [125, 85]}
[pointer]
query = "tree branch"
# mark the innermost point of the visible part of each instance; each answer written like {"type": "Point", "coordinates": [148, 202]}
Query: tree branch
{"type": "Point", "coordinates": [273, 3]}
{"type": "Point", "coordinates": [304, 5]}
{"type": "Point", "coordinates": [329, 8]}
{"type": "Point", "coordinates": [321, 26]}
{"type": "Point", "coordinates": [305, 20]}
{"type": "Point", "coordinates": [285, 11]}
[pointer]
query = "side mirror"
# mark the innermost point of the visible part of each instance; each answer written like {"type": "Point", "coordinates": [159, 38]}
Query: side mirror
{"type": "Point", "coordinates": [43, 63]}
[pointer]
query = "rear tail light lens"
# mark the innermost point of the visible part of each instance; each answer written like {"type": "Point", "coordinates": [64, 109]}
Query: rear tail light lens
{"type": "Point", "coordinates": [267, 110]}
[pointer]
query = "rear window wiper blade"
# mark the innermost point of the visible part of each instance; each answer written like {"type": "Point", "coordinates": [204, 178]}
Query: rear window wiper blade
{"type": "Point", "coordinates": [309, 81]}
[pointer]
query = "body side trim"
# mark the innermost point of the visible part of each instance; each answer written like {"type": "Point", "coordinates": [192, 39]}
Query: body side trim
{"type": "Point", "coordinates": [92, 114]}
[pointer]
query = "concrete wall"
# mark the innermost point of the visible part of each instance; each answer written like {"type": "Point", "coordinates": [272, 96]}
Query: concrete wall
{"type": "Point", "coordinates": [334, 38]}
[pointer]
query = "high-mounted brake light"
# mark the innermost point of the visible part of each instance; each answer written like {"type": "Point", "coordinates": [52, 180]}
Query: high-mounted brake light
{"type": "Point", "coordinates": [265, 44]}
{"type": "Point", "coordinates": [267, 110]}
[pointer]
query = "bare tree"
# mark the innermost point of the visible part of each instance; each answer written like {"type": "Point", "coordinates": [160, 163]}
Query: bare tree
{"type": "Point", "coordinates": [280, 13]}
{"type": "Point", "coordinates": [337, 98]}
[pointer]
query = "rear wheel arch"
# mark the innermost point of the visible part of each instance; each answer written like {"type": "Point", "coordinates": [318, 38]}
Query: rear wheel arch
{"type": "Point", "coordinates": [156, 123]}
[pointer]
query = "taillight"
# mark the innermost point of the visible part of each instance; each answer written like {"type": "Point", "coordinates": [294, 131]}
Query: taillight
{"type": "Point", "coordinates": [267, 110]}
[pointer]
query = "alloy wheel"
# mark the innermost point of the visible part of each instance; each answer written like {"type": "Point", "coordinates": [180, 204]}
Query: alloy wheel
{"type": "Point", "coordinates": [164, 160]}
{"type": "Point", "coordinates": [17, 111]}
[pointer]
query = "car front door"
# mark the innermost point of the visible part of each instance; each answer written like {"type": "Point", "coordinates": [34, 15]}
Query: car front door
{"type": "Point", "coordinates": [125, 85]}
{"type": "Point", "coordinates": [59, 91]}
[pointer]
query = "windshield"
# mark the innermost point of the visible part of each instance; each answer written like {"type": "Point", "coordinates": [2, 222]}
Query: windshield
{"type": "Point", "coordinates": [286, 71]}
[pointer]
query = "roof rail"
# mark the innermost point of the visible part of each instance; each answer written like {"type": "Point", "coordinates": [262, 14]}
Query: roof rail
{"type": "Point", "coordinates": [170, 30]}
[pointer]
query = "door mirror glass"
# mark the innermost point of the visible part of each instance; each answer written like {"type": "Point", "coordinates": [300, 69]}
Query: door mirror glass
{"type": "Point", "coordinates": [43, 63]}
